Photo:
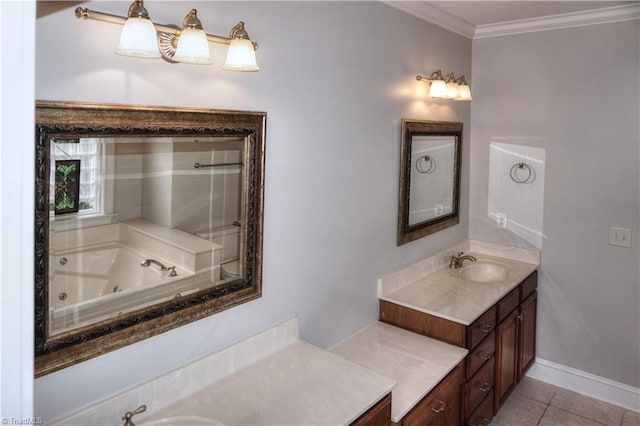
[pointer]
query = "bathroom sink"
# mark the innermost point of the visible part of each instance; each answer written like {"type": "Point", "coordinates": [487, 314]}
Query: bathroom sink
{"type": "Point", "coordinates": [184, 421]}
{"type": "Point", "coordinates": [484, 272]}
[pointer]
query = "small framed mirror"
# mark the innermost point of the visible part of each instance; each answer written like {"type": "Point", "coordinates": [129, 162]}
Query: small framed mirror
{"type": "Point", "coordinates": [429, 195]}
{"type": "Point", "coordinates": [147, 218]}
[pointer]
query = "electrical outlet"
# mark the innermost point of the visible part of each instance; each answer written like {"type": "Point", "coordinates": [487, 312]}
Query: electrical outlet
{"type": "Point", "coordinates": [439, 209]}
{"type": "Point", "coordinates": [502, 221]}
{"type": "Point", "coordinates": [619, 236]}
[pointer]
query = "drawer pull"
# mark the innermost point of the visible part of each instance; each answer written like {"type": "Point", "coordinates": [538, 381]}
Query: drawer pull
{"type": "Point", "coordinates": [440, 408]}
{"type": "Point", "coordinates": [485, 355]}
{"type": "Point", "coordinates": [485, 328]}
{"type": "Point", "coordinates": [483, 421]}
{"type": "Point", "coordinates": [486, 387]}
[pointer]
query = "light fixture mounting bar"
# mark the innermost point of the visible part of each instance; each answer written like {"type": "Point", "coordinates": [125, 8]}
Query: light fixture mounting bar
{"type": "Point", "coordinates": [84, 13]}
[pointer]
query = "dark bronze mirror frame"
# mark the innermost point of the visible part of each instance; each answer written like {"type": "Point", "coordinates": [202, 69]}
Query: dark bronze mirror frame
{"type": "Point", "coordinates": [69, 119]}
{"type": "Point", "coordinates": [409, 232]}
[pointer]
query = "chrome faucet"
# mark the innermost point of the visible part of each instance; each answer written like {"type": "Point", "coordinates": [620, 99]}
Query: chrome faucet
{"type": "Point", "coordinates": [455, 262]}
{"type": "Point", "coordinates": [147, 262]}
{"type": "Point", "coordinates": [127, 416]}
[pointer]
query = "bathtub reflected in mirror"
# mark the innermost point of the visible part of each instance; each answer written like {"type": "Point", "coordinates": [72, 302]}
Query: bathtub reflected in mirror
{"type": "Point", "coordinates": [150, 226]}
{"type": "Point", "coordinates": [154, 219]}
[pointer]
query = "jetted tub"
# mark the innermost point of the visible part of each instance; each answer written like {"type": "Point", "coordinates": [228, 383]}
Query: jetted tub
{"type": "Point", "coordinates": [102, 280]}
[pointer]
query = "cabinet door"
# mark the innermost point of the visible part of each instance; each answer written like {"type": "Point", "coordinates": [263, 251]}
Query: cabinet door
{"type": "Point", "coordinates": [506, 373]}
{"type": "Point", "coordinates": [528, 311]}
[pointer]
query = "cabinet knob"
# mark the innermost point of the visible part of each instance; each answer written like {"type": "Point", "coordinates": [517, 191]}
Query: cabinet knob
{"type": "Point", "coordinates": [440, 408]}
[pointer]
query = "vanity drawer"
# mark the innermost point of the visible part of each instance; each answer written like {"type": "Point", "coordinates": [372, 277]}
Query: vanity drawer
{"type": "Point", "coordinates": [481, 328]}
{"type": "Point", "coordinates": [529, 285]}
{"type": "Point", "coordinates": [482, 353]}
{"type": "Point", "coordinates": [508, 303]}
{"type": "Point", "coordinates": [441, 406]}
{"type": "Point", "coordinates": [483, 414]}
{"type": "Point", "coordinates": [378, 415]}
{"type": "Point", "coordinates": [478, 387]}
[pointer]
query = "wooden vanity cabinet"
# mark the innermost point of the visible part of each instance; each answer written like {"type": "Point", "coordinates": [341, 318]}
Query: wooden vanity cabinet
{"type": "Point", "coordinates": [441, 406]}
{"type": "Point", "coordinates": [515, 345]}
{"type": "Point", "coordinates": [506, 331]}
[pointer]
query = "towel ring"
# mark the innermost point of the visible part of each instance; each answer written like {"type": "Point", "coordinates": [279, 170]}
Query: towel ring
{"type": "Point", "coordinates": [530, 177]}
{"type": "Point", "coordinates": [425, 159]}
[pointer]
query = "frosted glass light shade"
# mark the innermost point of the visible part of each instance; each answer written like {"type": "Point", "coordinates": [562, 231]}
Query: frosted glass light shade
{"type": "Point", "coordinates": [241, 56]}
{"type": "Point", "coordinates": [193, 47]}
{"type": "Point", "coordinates": [452, 89]}
{"type": "Point", "coordinates": [438, 89]}
{"type": "Point", "coordinates": [138, 38]}
{"type": "Point", "coordinates": [464, 93]}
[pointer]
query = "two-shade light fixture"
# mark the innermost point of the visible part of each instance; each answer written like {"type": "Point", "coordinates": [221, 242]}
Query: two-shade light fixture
{"type": "Point", "coordinates": [143, 38]}
{"type": "Point", "coordinates": [447, 88]}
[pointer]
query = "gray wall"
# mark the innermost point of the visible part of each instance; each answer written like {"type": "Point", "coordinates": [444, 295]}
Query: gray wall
{"type": "Point", "coordinates": [336, 78]}
{"type": "Point", "coordinates": [574, 93]}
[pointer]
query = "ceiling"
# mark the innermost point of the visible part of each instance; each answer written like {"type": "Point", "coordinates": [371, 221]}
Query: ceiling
{"type": "Point", "coordinates": [476, 19]}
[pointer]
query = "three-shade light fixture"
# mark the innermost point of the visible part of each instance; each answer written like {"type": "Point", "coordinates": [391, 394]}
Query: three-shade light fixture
{"type": "Point", "coordinates": [447, 88]}
{"type": "Point", "coordinates": [143, 38]}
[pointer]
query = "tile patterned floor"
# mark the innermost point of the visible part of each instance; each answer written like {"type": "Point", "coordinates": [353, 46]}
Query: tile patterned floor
{"type": "Point", "coordinates": [536, 403]}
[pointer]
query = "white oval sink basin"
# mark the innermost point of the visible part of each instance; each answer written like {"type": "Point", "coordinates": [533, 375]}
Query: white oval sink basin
{"type": "Point", "coordinates": [184, 421]}
{"type": "Point", "coordinates": [484, 272]}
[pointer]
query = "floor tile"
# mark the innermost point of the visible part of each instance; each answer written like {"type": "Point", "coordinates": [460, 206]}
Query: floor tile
{"type": "Point", "coordinates": [556, 416]}
{"type": "Point", "coordinates": [535, 389]}
{"type": "Point", "coordinates": [630, 418]}
{"type": "Point", "coordinates": [520, 411]}
{"type": "Point", "coordinates": [585, 406]}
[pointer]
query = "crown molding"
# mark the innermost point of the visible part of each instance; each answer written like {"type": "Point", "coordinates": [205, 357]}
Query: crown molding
{"type": "Point", "coordinates": [432, 14]}
{"type": "Point", "coordinates": [554, 22]}
{"type": "Point", "coordinates": [429, 13]}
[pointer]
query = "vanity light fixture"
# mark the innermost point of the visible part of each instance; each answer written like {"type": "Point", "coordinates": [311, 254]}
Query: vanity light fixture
{"type": "Point", "coordinates": [464, 91]}
{"type": "Point", "coordinates": [143, 38]}
{"type": "Point", "coordinates": [450, 88]}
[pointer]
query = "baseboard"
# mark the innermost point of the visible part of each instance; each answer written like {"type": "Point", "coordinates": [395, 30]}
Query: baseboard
{"type": "Point", "coordinates": [586, 384]}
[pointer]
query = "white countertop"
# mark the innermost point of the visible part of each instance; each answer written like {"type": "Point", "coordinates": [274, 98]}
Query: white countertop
{"type": "Point", "coordinates": [444, 293]}
{"type": "Point", "coordinates": [300, 384]}
{"type": "Point", "coordinates": [430, 286]}
{"type": "Point", "coordinates": [416, 362]}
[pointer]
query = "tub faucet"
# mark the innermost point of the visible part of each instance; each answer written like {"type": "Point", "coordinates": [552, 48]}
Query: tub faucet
{"type": "Point", "coordinates": [455, 262]}
{"type": "Point", "coordinates": [147, 262]}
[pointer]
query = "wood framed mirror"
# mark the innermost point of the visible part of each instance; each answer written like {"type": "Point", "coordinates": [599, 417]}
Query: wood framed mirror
{"type": "Point", "coordinates": [429, 195]}
{"type": "Point", "coordinates": [147, 218]}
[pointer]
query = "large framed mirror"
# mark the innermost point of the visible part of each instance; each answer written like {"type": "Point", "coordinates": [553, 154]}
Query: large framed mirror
{"type": "Point", "coordinates": [429, 195]}
{"type": "Point", "coordinates": [147, 218]}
